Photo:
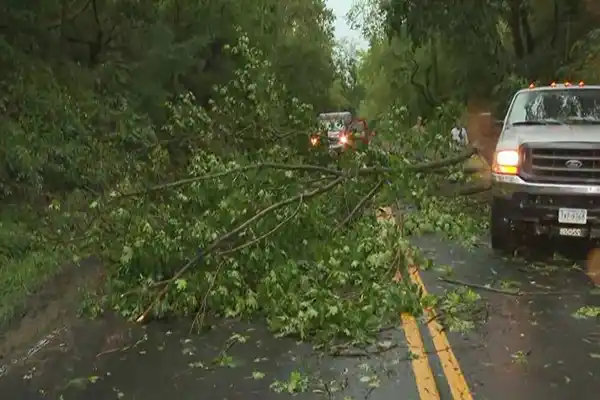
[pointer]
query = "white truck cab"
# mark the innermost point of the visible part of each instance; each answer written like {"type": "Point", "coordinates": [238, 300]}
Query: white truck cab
{"type": "Point", "coordinates": [546, 166]}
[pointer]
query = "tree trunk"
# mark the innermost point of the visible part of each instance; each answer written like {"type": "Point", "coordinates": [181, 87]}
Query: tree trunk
{"type": "Point", "coordinates": [514, 22]}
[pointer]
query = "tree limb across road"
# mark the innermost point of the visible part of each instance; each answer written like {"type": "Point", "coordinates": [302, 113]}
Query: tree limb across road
{"type": "Point", "coordinates": [341, 176]}
{"type": "Point", "coordinates": [417, 167]}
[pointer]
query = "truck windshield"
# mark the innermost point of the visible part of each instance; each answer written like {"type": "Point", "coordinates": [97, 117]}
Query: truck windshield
{"type": "Point", "coordinates": [332, 126]}
{"type": "Point", "coordinates": [556, 107]}
{"type": "Point", "coordinates": [334, 121]}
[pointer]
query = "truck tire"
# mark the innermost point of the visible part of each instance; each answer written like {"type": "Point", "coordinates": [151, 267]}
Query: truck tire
{"type": "Point", "coordinates": [503, 237]}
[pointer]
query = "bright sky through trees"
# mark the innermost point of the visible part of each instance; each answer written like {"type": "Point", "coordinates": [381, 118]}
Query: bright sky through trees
{"type": "Point", "coordinates": [342, 29]}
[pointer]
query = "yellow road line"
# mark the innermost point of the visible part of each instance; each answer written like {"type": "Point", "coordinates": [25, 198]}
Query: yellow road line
{"type": "Point", "coordinates": [420, 363]}
{"type": "Point", "coordinates": [456, 380]}
{"type": "Point", "coordinates": [423, 374]}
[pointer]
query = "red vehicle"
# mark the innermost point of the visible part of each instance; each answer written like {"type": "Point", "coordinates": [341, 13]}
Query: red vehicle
{"type": "Point", "coordinates": [342, 131]}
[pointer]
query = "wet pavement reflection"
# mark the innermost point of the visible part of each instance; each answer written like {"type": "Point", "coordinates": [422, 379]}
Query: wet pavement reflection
{"type": "Point", "coordinates": [109, 359]}
{"type": "Point", "coordinates": [538, 345]}
{"type": "Point", "coordinates": [539, 338]}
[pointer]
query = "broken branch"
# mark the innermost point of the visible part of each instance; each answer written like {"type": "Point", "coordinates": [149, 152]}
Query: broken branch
{"type": "Point", "coordinates": [423, 167]}
{"type": "Point", "coordinates": [216, 243]}
{"type": "Point", "coordinates": [261, 237]}
{"type": "Point", "coordinates": [310, 168]}
{"type": "Point", "coordinates": [361, 204]}
{"type": "Point", "coordinates": [446, 162]}
{"type": "Point", "coordinates": [517, 292]}
{"type": "Point", "coordinates": [187, 181]}
{"type": "Point", "coordinates": [465, 190]}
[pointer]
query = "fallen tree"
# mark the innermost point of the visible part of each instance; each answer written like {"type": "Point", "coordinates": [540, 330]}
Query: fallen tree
{"type": "Point", "coordinates": [341, 176]}
{"type": "Point", "coordinates": [296, 256]}
{"type": "Point", "coordinates": [268, 229]}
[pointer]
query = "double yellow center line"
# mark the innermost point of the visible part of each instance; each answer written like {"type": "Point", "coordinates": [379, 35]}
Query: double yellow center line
{"type": "Point", "coordinates": [425, 380]}
{"type": "Point", "coordinates": [426, 383]}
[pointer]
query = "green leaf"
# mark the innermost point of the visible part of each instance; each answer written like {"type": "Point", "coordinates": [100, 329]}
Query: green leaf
{"type": "Point", "coordinates": [258, 375]}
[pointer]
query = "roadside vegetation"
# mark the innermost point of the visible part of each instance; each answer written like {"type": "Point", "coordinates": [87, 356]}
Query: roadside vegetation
{"type": "Point", "coordinates": [171, 140]}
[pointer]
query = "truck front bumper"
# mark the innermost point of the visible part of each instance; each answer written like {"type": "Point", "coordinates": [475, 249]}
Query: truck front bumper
{"type": "Point", "coordinates": [536, 205]}
{"type": "Point", "coordinates": [506, 185]}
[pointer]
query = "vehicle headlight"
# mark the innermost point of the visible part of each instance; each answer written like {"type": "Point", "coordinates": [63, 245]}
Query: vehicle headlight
{"type": "Point", "coordinates": [506, 162]}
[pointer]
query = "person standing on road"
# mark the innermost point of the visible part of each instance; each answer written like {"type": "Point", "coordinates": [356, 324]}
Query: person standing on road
{"type": "Point", "coordinates": [421, 153]}
{"type": "Point", "coordinates": [459, 134]}
{"type": "Point", "coordinates": [418, 127]}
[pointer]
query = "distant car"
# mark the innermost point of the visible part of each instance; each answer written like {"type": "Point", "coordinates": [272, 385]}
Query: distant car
{"type": "Point", "coordinates": [341, 131]}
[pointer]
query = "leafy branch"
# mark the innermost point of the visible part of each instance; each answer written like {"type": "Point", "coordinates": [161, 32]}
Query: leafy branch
{"type": "Point", "coordinates": [412, 167]}
{"type": "Point", "coordinates": [265, 235]}
{"type": "Point", "coordinates": [246, 168]}
{"type": "Point", "coordinates": [361, 205]}
{"type": "Point", "coordinates": [218, 242]}
{"type": "Point", "coordinates": [339, 176]}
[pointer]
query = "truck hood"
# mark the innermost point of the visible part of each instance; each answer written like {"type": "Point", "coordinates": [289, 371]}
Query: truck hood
{"type": "Point", "coordinates": [514, 136]}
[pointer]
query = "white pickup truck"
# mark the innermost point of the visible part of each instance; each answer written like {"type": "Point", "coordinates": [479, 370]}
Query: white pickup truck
{"type": "Point", "coordinates": [546, 168]}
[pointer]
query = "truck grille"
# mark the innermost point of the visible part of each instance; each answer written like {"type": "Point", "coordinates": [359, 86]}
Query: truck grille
{"type": "Point", "coordinates": [575, 163]}
{"type": "Point", "coordinates": [553, 203]}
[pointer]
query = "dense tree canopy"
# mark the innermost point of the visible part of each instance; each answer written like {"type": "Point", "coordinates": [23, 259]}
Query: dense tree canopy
{"type": "Point", "coordinates": [84, 68]}
{"type": "Point", "coordinates": [475, 51]}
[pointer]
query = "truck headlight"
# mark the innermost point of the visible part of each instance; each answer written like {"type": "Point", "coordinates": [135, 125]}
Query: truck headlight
{"type": "Point", "coordinates": [506, 162]}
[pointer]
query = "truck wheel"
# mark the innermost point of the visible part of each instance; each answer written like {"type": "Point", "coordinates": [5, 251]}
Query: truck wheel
{"type": "Point", "coordinates": [503, 236]}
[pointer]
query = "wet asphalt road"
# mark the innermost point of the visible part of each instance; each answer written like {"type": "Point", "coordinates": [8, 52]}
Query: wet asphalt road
{"type": "Point", "coordinates": [530, 347]}
{"type": "Point", "coordinates": [108, 360]}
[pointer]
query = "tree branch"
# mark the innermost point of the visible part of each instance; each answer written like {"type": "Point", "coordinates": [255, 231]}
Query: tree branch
{"type": "Point", "coordinates": [422, 167]}
{"type": "Point", "coordinates": [360, 205]}
{"type": "Point", "coordinates": [261, 237]}
{"type": "Point", "coordinates": [446, 162]}
{"type": "Point", "coordinates": [259, 215]}
{"type": "Point", "coordinates": [187, 181]}
{"type": "Point", "coordinates": [515, 292]}
{"type": "Point", "coordinates": [218, 242]}
{"type": "Point", "coordinates": [465, 190]}
{"type": "Point", "coordinates": [199, 318]}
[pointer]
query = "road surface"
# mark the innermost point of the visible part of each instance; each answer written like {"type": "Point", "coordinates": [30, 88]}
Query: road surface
{"type": "Point", "coordinates": [529, 347]}
{"type": "Point", "coordinates": [532, 346]}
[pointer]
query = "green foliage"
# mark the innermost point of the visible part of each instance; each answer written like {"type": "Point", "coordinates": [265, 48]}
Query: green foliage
{"type": "Point", "coordinates": [456, 218]}
{"type": "Point", "coordinates": [434, 51]}
{"type": "Point", "coordinates": [82, 107]}
{"type": "Point", "coordinates": [305, 277]}
{"type": "Point", "coordinates": [160, 135]}
{"type": "Point", "coordinates": [347, 88]}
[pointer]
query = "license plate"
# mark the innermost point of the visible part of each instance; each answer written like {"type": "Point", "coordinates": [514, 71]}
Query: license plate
{"type": "Point", "coordinates": [574, 232]}
{"type": "Point", "coordinates": [593, 189]}
{"type": "Point", "coordinates": [572, 216]}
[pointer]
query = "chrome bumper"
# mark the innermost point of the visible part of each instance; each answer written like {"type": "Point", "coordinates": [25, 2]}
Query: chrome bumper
{"type": "Point", "coordinates": [506, 185]}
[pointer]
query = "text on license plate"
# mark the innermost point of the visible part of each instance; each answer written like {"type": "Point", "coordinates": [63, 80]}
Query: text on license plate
{"type": "Point", "coordinates": [575, 232]}
{"type": "Point", "coordinates": [572, 216]}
